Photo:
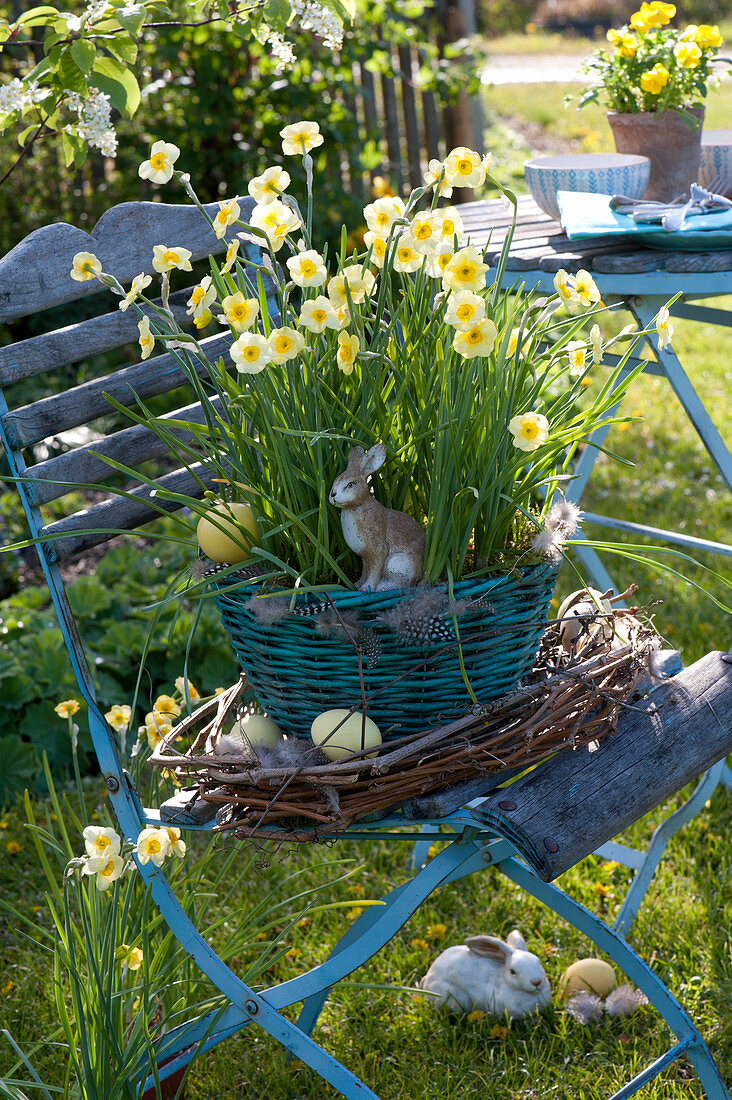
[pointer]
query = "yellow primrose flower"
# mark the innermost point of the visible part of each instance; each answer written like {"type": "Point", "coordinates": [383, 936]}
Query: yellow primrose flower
{"type": "Point", "coordinates": [159, 168]}
{"type": "Point", "coordinates": [119, 717]}
{"type": "Point", "coordinates": [664, 328]}
{"type": "Point", "coordinates": [381, 215]}
{"type": "Point", "coordinates": [586, 289]}
{"type": "Point", "coordinates": [307, 268]}
{"type": "Point", "coordinates": [465, 271]}
{"type": "Point", "coordinates": [146, 338]}
{"type": "Point", "coordinates": [451, 225]}
{"type": "Point", "coordinates": [231, 255]}
{"type": "Point", "coordinates": [464, 308]}
{"type": "Point", "coordinates": [687, 54]}
{"type": "Point", "coordinates": [229, 213]}
{"type": "Point", "coordinates": [708, 37]}
{"type": "Point", "coordinates": [201, 297]}
{"type": "Point", "coordinates": [285, 344]}
{"type": "Point", "coordinates": [180, 686]}
{"type": "Point", "coordinates": [131, 957]}
{"type": "Point", "coordinates": [432, 179]}
{"type": "Point", "coordinates": [240, 312]}
{"type": "Point", "coordinates": [406, 256]}
{"type": "Point", "coordinates": [152, 845]}
{"type": "Point", "coordinates": [106, 868]}
{"type": "Point", "coordinates": [464, 168]}
{"type": "Point", "coordinates": [377, 245]}
{"type": "Point", "coordinates": [266, 188]}
{"type": "Point", "coordinates": [529, 430]}
{"type": "Point", "coordinates": [85, 266]}
{"type": "Point", "coordinates": [68, 708]}
{"type": "Point", "coordinates": [100, 841]}
{"type": "Point", "coordinates": [360, 285]}
{"type": "Point", "coordinates": [655, 79]}
{"type": "Point", "coordinates": [275, 220]}
{"type": "Point", "coordinates": [477, 340]}
{"type": "Point", "coordinates": [138, 285]}
{"type": "Point", "coordinates": [250, 353]}
{"type": "Point", "coordinates": [438, 261]}
{"type": "Point", "coordinates": [167, 259]}
{"type": "Point", "coordinates": [166, 704]}
{"type": "Point", "coordinates": [577, 350]}
{"type": "Point", "coordinates": [317, 314]}
{"type": "Point", "coordinates": [300, 138]}
{"type": "Point", "coordinates": [348, 349]}
{"type": "Point", "coordinates": [596, 342]}
{"type": "Point", "coordinates": [176, 846]}
{"type": "Point", "coordinates": [425, 231]}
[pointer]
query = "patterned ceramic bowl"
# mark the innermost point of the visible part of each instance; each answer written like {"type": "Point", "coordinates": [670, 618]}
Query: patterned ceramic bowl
{"type": "Point", "coordinates": [598, 173]}
{"type": "Point", "coordinates": [716, 160]}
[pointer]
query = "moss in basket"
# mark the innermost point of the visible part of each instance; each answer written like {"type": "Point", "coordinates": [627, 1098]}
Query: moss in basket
{"type": "Point", "coordinates": [479, 392]}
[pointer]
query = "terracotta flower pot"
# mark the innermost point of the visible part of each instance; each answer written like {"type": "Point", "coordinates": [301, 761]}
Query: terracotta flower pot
{"type": "Point", "coordinates": [668, 140]}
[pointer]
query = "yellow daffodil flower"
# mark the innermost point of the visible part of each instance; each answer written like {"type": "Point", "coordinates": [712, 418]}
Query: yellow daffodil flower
{"type": "Point", "coordinates": [85, 266]}
{"type": "Point", "coordinates": [348, 349]}
{"type": "Point", "coordinates": [285, 344]}
{"type": "Point", "coordinates": [119, 717]}
{"type": "Point", "coordinates": [176, 846]}
{"type": "Point", "coordinates": [100, 841]}
{"type": "Point", "coordinates": [68, 708]}
{"type": "Point", "coordinates": [130, 957]}
{"type": "Point", "coordinates": [250, 353]}
{"type": "Point", "coordinates": [377, 245]}
{"type": "Point", "coordinates": [564, 286]}
{"type": "Point", "coordinates": [269, 186]}
{"type": "Point", "coordinates": [425, 231]}
{"type": "Point", "coordinates": [240, 312]}
{"type": "Point", "coordinates": [585, 288]}
{"type": "Point", "coordinates": [438, 261]}
{"type": "Point", "coordinates": [465, 271]}
{"type": "Point", "coordinates": [596, 342]}
{"type": "Point", "coordinates": [512, 343]}
{"type": "Point", "coordinates": [406, 256]}
{"type": "Point", "coordinates": [152, 845]}
{"type": "Point", "coordinates": [381, 214]}
{"type": "Point", "coordinates": [464, 308]}
{"type": "Point", "coordinates": [167, 259]}
{"type": "Point", "coordinates": [479, 339]}
{"type": "Point", "coordinates": [203, 319]}
{"type": "Point", "coordinates": [300, 138]}
{"type": "Point", "coordinates": [432, 179]}
{"type": "Point", "coordinates": [231, 255]}
{"type": "Point", "coordinates": [529, 430]}
{"type": "Point", "coordinates": [275, 220]}
{"type": "Point", "coordinates": [464, 168]}
{"type": "Point", "coordinates": [138, 285]}
{"type": "Point", "coordinates": [307, 268]}
{"type": "Point", "coordinates": [159, 168]}
{"type": "Point", "coordinates": [687, 54]}
{"type": "Point", "coordinates": [317, 314]}
{"type": "Point", "coordinates": [229, 213]}
{"type": "Point", "coordinates": [664, 328]}
{"type": "Point", "coordinates": [360, 285]}
{"type": "Point", "coordinates": [655, 79]}
{"type": "Point", "coordinates": [201, 297]}
{"type": "Point", "coordinates": [451, 225]}
{"type": "Point", "coordinates": [146, 338]}
{"type": "Point", "coordinates": [577, 350]}
{"type": "Point", "coordinates": [343, 317]}
{"type": "Point", "coordinates": [107, 868]}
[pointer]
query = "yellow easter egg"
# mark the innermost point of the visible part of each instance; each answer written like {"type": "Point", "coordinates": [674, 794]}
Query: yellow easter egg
{"type": "Point", "coordinates": [257, 729]}
{"type": "Point", "coordinates": [589, 976]}
{"type": "Point", "coordinates": [352, 733]}
{"type": "Point", "coordinates": [229, 535]}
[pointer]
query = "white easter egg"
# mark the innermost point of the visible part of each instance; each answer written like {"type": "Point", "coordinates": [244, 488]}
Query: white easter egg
{"type": "Point", "coordinates": [589, 976]}
{"type": "Point", "coordinates": [353, 732]}
{"type": "Point", "coordinates": [582, 604]}
{"type": "Point", "coordinates": [257, 729]}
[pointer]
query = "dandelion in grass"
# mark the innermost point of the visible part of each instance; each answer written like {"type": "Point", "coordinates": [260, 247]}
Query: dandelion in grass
{"type": "Point", "coordinates": [529, 430]}
{"type": "Point", "coordinates": [317, 314]}
{"type": "Point", "coordinates": [13, 848]}
{"type": "Point", "coordinates": [664, 328]}
{"type": "Point", "coordinates": [432, 179]}
{"type": "Point", "coordinates": [377, 245]}
{"type": "Point", "coordinates": [170, 259]}
{"type": "Point", "coordinates": [176, 846]}
{"type": "Point", "coordinates": [479, 339]}
{"type": "Point", "coordinates": [240, 312]}
{"type": "Point", "coordinates": [406, 257]}
{"type": "Point", "coordinates": [250, 353]}
{"type": "Point", "coordinates": [228, 214]}
{"type": "Point", "coordinates": [348, 349]}
{"type": "Point", "coordinates": [85, 266]}
{"type": "Point", "coordinates": [139, 283]}
{"type": "Point", "coordinates": [300, 138]}
{"type": "Point", "coordinates": [360, 285]}
{"type": "Point", "coordinates": [476, 1016]}
{"type": "Point", "coordinates": [498, 1031]}
{"type": "Point", "coordinates": [202, 297]}
{"type": "Point", "coordinates": [419, 944]}
{"type": "Point", "coordinates": [654, 79]}
{"type": "Point", "coordinates": [596, 344]}
{"type": "Point", "coordinates": [466, 271]}
{"type": "Point", "coordinates": [307, 268]}
{"type": "Point", "coordinates": [276, 221]}
{"type": "Point", "coordinates": [101, 841]}
{"type": "Point", "coordinates": [285, 344]}
{"type": "Point", "coordinates": [152, 846]}
{"type": "Point", "coordinates": [381, 214]}
{"type": "Point", "coordinates": [160, 167]}
{"type": "Point", "coordinates": [464, 168]}
{"type": "Point", "coordinates": [437, 932]}
{"type": "Point", "coordinates": [464, 309]}
{"type": "Point", "coordinates": [67, 708]}
{"type": "Point", "coordinates": [106, 868]}
{"type": "Point", "coordinates": [269, 186]}
{"type": "Point", "coordinates": [131, 958]}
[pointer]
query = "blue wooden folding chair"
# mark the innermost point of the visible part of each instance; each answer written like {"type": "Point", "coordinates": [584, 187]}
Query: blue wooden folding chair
{"type": "Point", "coordinates": [570, 819]}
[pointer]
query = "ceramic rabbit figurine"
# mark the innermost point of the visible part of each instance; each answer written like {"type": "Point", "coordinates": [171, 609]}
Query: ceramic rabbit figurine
{"type": "Point", "coordinates": [389, 543]}
{"type": "Point", "coordinates": [489, 974]}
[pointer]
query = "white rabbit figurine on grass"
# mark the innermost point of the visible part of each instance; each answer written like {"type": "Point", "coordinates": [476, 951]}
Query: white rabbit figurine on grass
{"type": "Point", "coordinates": [489, 974]}
{"type": "Point", "coordinates": [389, 543]}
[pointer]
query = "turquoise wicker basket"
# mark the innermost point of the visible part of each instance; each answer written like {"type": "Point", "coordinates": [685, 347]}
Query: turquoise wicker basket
{"type": "Point", "coordinates": [302, 661]}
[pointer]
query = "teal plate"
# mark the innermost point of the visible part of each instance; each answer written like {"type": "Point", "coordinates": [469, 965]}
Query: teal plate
{"type": "Point", "coordinates": [712, 240]}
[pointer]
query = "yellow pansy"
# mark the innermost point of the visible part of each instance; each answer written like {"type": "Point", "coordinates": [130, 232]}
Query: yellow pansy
{"type": "Point", "coordinates": [432, 179]}
{"type": "Point", "coordinates": [300, 138]}
{"type": "Point", "coordinates": [652, 15]}
{"type": "Point", "coordinates": [68, 708]}
{"type": "Point", "coordinates": [348, 349]}
{"type": "Point", "coordinates": [381, 215]}
{"type": "Point", "coordinates": [240, 312]}
{"type": "Point", "coordinates": [250, 353]}
{"type": "Point", "coordinates": [167, 259]}
{"type": "Point", "coordinates": [687, 54]}
{"type": "Point", "coordinates": [231, 256]}
{"type": "Point", "coordinates": [159, 168]}
{"type": "Point", "coordinates": [479, 339]}
{"type": "Point", "coordinates": [406, 256]}
{"type": "Point", "coordinates": [529, 430]}
{"type": "Point", "coordinates": [465, 271]}
{"type": "Point", "coordinates": [138, 285]}
{"type": "Point", "coordinates": [285, 344]}
{"type": "Point", "coordinates": [100, 841]}
{"type": "Point", "coordinates": [464, 168]}
{"type": "Point", "coordinates": [318, 314]}
{"type": "Point", "coordinates": [85, 266]}
{"type": "Point", "coordinates": [106, 868]}
{"type": "Point", "coordinates": [229, 213]}
{"type": "Point", "coordinates": [266, 188]}
{"type": "Point", "coordinates": [655, 79]}
{"type": "Point", "coordinates": [664, 328]}
{"type": "Point", "coordinates": [464, 308]}
{"type": "Point", "coordinates": [201, 297]}
{"type": "Point", "coordinates": [625, 43]}
{"type": "Point", "coordinates": [425, 231]}
{"type": "Point", "coordinates": [708, 37]}
{"type": "Point", "coordinates": [307, 268]}
{"type": "Point", "coordinates": [119, 717]}
{"type": "Point", "coordinates": [152, 845]}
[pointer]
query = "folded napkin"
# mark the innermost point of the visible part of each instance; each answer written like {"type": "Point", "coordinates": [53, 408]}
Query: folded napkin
{"type": "Point", "coordinates": [589, 215]}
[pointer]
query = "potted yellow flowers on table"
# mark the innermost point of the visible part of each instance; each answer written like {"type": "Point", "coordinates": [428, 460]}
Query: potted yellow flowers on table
{"type": "Point", "coordinates": [409, 365]}
{"type": "Point", "coordinates": [653, 80]}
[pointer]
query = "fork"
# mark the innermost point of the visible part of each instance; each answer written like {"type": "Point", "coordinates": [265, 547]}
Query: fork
{"type": "Point", "coordinates": [675, 218]}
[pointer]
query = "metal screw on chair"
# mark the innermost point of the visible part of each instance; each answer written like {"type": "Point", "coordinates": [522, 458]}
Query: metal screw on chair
{"type": "Point", "coordinates": [112, 783]}
{"type": "Point", "coordinates": [251, 1007]}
